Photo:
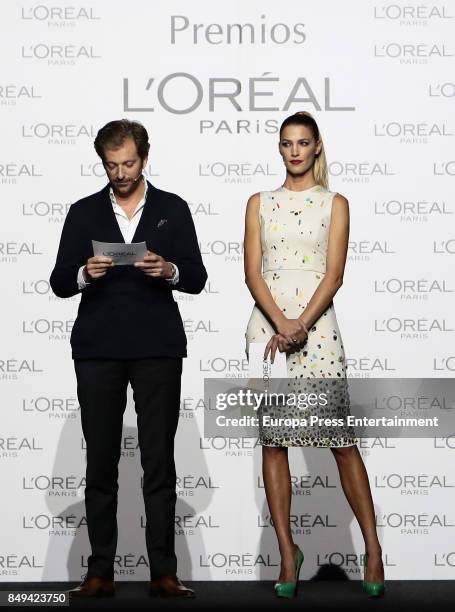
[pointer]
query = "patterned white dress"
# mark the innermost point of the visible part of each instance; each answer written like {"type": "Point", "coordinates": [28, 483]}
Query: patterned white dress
{"type": "Point", "coordinates": [294, 237]}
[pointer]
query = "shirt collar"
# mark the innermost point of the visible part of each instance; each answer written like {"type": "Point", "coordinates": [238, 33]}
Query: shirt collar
{"type": "Point", "coordinates": [140, 204]}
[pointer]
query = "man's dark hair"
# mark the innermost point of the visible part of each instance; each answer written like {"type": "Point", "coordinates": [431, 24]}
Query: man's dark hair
{"type": "Point", "coordinates": [113, 134]}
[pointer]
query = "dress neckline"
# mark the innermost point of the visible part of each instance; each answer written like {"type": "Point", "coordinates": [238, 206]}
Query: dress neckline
{"type": "Point", "coordinates": [283, 188]}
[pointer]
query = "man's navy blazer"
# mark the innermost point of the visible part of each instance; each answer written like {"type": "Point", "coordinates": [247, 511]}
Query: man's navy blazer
{"type": "Point", "coordinates": [126, 314]}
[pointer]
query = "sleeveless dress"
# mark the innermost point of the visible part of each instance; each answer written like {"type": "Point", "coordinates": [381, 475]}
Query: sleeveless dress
{"type": "Point", "coordinates": [294, 238]}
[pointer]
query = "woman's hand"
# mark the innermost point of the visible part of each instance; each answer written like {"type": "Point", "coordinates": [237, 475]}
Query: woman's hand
{"type": "Point", "coordinates": [278, 341]}
{"type": "Point", "coordinates": [298, 340]}
{"type": "Point", "coordinates": [289, 328]}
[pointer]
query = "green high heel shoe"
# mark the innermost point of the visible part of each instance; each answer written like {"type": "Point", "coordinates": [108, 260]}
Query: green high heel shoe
{"type": "Point", "coordinates": [373, 589]}
{"type": "Point", "coordinates": [289, 589]}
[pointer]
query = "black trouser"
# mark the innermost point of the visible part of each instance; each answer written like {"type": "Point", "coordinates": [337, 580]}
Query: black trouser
{"type": "Point", "coordinates": [101, 389]}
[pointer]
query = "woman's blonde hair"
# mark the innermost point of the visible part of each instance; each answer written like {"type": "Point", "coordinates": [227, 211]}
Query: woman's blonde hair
{"type": "Point", "coordinates": [320, 171]}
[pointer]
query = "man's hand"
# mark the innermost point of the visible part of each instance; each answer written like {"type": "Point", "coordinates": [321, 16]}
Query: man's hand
{"type": "Point", "coordinates": [96, 267]}
{"type": "Point", "coordinates": [154, 265]}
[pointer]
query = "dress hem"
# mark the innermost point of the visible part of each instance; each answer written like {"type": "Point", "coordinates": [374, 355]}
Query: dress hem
{"type": "Point", "coordinates": [290, 445]}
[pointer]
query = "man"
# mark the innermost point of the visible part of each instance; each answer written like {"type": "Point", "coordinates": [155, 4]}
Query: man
{"type": "Point", "coordinates": [129, 330]}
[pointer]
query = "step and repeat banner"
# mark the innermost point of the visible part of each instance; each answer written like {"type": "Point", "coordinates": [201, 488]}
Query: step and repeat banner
{"type": "Point", "coordinates": [212, 83]}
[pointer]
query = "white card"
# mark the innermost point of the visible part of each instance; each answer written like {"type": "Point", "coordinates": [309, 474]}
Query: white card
{"type": "Point", "coordinates": [122, 254]}
{"type": "Point", "coordinates": [258, 368]}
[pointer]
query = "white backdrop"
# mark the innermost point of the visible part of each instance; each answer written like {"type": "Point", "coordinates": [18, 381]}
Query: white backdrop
{"type": "Point", "coordinates": [379, 77]}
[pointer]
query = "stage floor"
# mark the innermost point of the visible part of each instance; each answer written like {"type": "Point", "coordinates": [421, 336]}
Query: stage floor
{"type": "Point", "coordinates": [312, 595]}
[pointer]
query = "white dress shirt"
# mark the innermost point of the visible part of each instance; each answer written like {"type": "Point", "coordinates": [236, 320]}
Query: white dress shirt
{"type": "Point", "coordinates": [128, 228]}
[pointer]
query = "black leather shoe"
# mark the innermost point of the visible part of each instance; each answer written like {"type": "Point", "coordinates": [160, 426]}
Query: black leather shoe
{"type": "Point", "coordinates": [94, 586]}
{"type": "Point", "coordinates": [169, 586]}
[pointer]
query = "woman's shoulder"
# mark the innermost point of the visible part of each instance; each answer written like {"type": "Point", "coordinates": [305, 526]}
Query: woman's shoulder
{"type": "Point", "coordinates": [326, 191]}
{"type": "Point", "coordinates": [254, 199]}
{"type": "Point", "coordinates": [258, 200]}
{"type": "Point", "coordinates": [267, 194]}
{"type": "Point", "coordinates": [337, 196]}
{"type": "Point", "coordinates": [261, 193]}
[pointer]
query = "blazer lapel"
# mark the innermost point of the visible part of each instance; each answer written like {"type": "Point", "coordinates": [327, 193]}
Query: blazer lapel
{"type": "Point", "coordinates": [107, 221]}
{"type": "Point", "coordinates": [147, 214]}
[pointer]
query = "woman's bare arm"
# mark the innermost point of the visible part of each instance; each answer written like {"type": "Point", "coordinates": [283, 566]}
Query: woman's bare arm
{"type": "Point", "coordinates": [253, 263]}
{"type": "Point", "coordinates": [337, 249]}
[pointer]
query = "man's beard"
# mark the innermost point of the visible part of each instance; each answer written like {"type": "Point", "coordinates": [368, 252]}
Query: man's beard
{"type": "Point", "coordinates": [133, 185]}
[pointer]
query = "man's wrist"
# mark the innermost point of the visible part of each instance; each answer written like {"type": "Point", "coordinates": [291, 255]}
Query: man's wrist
{"type": "Point", "coordinates": [85, 274]}
{"type": "Point", "coordinates": [172, 271]}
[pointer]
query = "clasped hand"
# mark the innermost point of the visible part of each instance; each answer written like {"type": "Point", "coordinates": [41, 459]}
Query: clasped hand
{"type": "Point", "coordinates": [291, 335]}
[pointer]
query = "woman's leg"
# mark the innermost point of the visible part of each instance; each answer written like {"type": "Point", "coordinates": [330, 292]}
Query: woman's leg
{"type": "Point", "coordinates": [356, 487]}
{"type": "Point", "coordinates": [277, 482]}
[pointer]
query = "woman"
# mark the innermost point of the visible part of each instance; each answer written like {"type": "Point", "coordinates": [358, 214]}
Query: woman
{"type": "Point", "coordinates": [296, 240]}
